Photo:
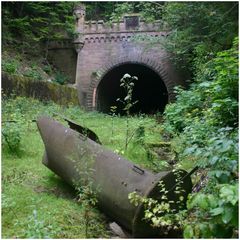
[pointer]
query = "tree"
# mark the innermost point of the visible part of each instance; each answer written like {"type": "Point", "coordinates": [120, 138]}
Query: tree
{"type": "Point", "coordinates": [113, 11]}
{"type": "Point", "coordinates": [198, 30]}
{"type": "Point", "coordinates": [33, 23]}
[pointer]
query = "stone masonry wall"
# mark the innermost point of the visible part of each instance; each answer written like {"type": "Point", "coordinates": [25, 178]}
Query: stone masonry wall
{"type": "Point", "coordinates": [63, 56]}
{"type": "Point", "coordinates": [42, 90]}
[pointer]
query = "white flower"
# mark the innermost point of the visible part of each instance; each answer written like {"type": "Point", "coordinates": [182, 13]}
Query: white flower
{"type": "Point", "coordinates": [126, 75]}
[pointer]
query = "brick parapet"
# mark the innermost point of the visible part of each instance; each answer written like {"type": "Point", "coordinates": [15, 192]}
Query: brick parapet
{"type": "Point", "coordinates": [117, 36]}
{"type": "Point", "coordinates": [102, 27]}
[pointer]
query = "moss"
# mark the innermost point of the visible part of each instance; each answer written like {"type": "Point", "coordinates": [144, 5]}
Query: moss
{"type": "Point", "coordinates": [45, 91]}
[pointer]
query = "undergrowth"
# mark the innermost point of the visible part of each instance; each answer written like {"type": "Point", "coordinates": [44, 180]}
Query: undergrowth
{"type": "Point", "coordinates": [36, 69]}
{"type": "Point", "coordinates": [35, 202]}
{"type": "Point", "coordinates": [203, 128]}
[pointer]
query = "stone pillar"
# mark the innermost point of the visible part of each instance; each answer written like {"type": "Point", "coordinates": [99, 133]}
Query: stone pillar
{"type": "Point", "coordinates": [78, 47]}
{"type": "Point", "coordinates": [79, 13]}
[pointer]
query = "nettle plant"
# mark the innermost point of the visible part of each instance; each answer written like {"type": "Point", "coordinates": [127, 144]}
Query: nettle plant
{"type": "Point", "coordinates": [127, 83]}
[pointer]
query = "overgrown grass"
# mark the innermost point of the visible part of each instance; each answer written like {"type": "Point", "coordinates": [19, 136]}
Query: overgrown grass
{"type": "Point", "coordinates": [35, 202]}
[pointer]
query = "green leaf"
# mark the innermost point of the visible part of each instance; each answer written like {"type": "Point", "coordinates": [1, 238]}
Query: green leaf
{"type": "Point", "coordinates": [227, 215]}
{"type": "Point", "coordinates": [205, 84]}
{"type": "Point", "coordinates": [198, 200]}
{"type": "Point", "coordinates": [217, 211]}
{"type": "Point", "coordinates": [214, 159]}
{"type": "Point", "coordinates": [188, 232]}
{"type": "Point", "coordinates": [229, 193]}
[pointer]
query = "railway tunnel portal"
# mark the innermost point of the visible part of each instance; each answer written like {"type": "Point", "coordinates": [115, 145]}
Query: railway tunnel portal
{"type": "Point", "coordinates": [107, 52]}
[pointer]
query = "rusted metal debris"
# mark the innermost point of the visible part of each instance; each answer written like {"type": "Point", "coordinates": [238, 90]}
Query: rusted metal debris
{"type": "Point", "coordinates": [80, 160]}
{"type": "Point", "coordinates": [83, 130]}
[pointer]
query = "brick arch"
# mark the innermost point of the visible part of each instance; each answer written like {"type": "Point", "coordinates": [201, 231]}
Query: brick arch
{"type": "Point", "coordinates": [151, 64]}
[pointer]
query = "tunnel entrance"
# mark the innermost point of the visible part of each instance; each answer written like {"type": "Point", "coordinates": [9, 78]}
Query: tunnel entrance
{"type": "Point", "coordinates": [150, 90]}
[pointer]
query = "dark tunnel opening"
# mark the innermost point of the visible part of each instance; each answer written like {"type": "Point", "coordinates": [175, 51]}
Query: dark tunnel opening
{"type": "Point", "coordinates": [150, 90]}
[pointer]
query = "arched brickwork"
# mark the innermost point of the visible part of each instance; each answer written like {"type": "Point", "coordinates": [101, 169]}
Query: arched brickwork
{"type": "Point", "coordinates": [141, 60]}
{"type": "Point", "coordinates": [102, 48]}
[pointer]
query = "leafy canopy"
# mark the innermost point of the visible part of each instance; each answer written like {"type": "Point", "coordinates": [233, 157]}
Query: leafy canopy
{"type": "Point", "coordinates": [36, 21]}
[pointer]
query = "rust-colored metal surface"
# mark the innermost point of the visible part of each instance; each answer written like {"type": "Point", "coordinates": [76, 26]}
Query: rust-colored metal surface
{"type": "Point", "coordinates": [78, 160]}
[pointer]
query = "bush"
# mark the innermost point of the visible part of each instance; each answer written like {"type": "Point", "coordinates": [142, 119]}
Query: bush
{"type": "Point", "coordinates": [60, 78]}
{"type": "Point", "coordinates": [206, 116]}
{"type": "Point", "coordinates": [10, 66]}
{"type": "Point", "coordinates": [212, 99]}
{"type": "Point", "coordinates": [213, 215]}
{"type": "Point", "coordinates": [33, 73]}
{"type": "Point", "coordinates": [17, 113]}
{"type": "Point", "coordinates": [204, 123]}
{"type": "Point", "coordinates": [199, 30]}
{"type": "Point", "coordinates": [12, 136]}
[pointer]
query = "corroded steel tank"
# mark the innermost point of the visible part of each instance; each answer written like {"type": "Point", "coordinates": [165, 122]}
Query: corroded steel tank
{"type": "Point", "coordinates": [79, 160]}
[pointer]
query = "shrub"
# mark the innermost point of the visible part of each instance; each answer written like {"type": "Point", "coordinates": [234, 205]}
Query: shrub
{"type": "Point", "coordinates": [204, 123]}
{"type": "Point", "coordinates": [10, 66]}
{"type": "Point", "coordinates": [213, 98]}
{"type": "Point", "coordinates": [60, 78]}
{"type": "Point", "coordinates": [33, 73]}
{"type": "Point", "coordinates": [11, 132]}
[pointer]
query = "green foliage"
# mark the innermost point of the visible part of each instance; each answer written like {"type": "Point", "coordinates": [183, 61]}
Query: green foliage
{"type": "Point", "coordinates": [25, 65]}
{"type": "Point", "coordinates": [38, 228]}
{"type": "Point", "coordinates": [205, 120]}
{"type": "Point", "coordinates": [127, 83]}
{"type": "Point", "coordinates": [27, 185]}
{"type": "Point", "coordinates": [139, 135]}
{"type": "Point", "coordinates": [219, 201]}
{"type": "Point", "coordinates": [164, 212]}
{"type": "Point", "coordinates": [48, 69]}
{"type": "Point", "coordinates": [120, 10]}
{"type": "Point", "coordinates": [212, 99]}
{"type": "Point", "coordinates": [33, 73]}
{"type": "Point", "coordinates": [114, 11]}
{"type": "Point", "coordinates": [28, 23]}
{"type": "Point", "coordinates": [60, 78]}
{"type": "Point", "coordinates": [99, 10]}
{"type": "Point", "coordinates": [18, 67]}
{"type": "Point", "coordinates": [10, 66]}
{"type": "Point", "coordinates": [199, 30]}
{"type": "Point", "coordinates": [11, 133]}
{"type": "Point", "coordinates": [213, 215]}
{"type": "Point", "coordinates": [149, 11]}
{"type": "Point", "coordinates": [155, 211]}
{"type": "Point", "coordinates": [13, 127]}
{"type": "Point", "coordinates": [17, 116]}
{"type": "Point", "coordinates": [88, 199]}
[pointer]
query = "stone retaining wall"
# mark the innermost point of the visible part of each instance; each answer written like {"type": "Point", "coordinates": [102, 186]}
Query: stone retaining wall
{"type": "Point", "coordinates": [42, 90]}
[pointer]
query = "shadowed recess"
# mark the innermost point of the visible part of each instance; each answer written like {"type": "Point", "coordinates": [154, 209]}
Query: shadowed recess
{"type": "Point", "coordinates": [150, 90]}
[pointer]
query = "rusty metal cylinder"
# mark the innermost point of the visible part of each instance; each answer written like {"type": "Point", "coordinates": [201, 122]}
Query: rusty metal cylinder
{"type": "Point", "coordinates": [79, 161]}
